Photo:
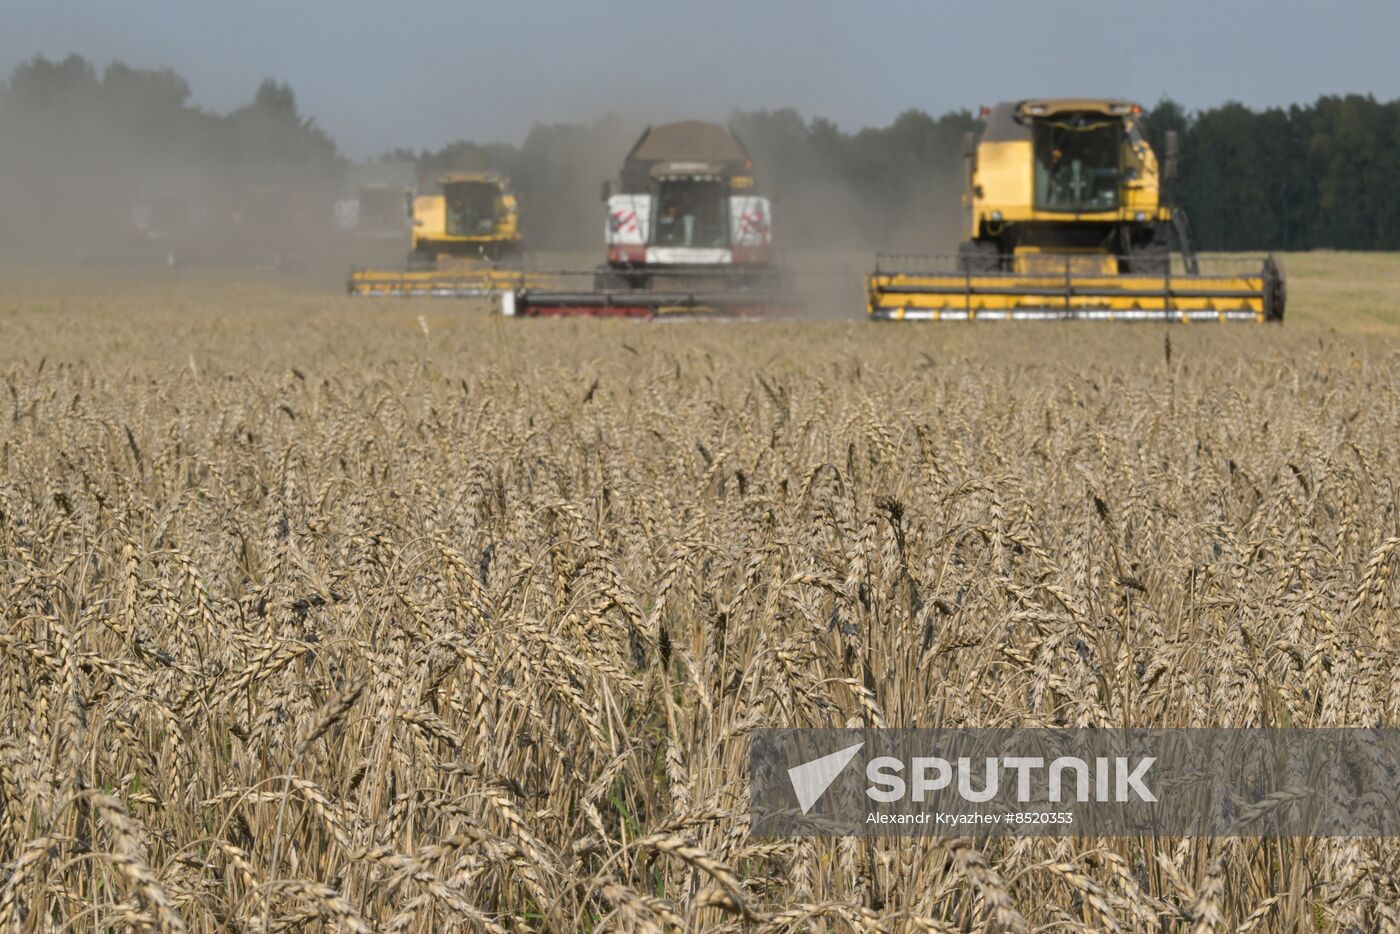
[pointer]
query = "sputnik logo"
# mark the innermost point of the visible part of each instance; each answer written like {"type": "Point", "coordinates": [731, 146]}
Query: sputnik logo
{"type": "Point", "coordinates": [810, 780]}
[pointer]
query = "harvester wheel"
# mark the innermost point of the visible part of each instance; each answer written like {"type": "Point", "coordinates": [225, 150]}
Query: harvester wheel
{"type": "Point", "coordinates": [978, 256]}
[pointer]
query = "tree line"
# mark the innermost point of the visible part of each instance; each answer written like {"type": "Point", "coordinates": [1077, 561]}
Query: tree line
{"type": "Point", "coordinates": [82, 144]}
{"type": "Point", "coordinates": [1320, 175]}
{"type": "Point", "coordinates": [82, 149]}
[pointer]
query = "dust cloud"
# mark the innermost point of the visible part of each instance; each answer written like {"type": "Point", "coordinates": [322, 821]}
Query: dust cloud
{"type": "Point", "coordinates": [117, 167]}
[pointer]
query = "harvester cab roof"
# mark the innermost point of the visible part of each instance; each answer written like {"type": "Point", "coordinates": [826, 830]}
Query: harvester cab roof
{"type": "Point", "coordinates": [1064, 105]}
{"type": "Point", "coordinates": [689, 171]}
{"type": "Point", "coordinates": [1012, 122]}
{"type": "Point", "coordinates": [479, 177]}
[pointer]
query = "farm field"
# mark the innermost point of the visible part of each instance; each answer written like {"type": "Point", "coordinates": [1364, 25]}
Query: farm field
{"type": "Point", "coordinates": [323, 613]}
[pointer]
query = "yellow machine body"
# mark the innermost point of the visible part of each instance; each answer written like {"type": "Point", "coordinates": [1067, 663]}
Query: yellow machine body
{"type": "Point", "coordinates": [466, 241]}
{"type": "Point", "coordinates": [1004, 171]}
{"type": "Point", "coordinates": [475, 215]}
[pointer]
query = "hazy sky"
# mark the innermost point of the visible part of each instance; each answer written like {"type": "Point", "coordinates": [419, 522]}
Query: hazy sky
{"type": "Point", "coordinates": [423, 72]}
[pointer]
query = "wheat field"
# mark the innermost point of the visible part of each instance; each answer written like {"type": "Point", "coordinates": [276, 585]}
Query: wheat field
{"type": "Point", "coordinates": [325, 614]}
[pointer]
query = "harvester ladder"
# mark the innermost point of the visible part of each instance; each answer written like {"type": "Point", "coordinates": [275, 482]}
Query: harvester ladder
{"type": "Point", "coordinates": [1182, 226]}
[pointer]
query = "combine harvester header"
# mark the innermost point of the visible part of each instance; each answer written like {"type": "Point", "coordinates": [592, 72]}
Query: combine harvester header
{"type": "Point", "coordinates": [686, 232]}
{"type": "Point", "coordinates": [1065, 218]}
{"type": "Point", "coordinates": [1058, 287]}
{"type": "Point", "coordinates": [665, 299]}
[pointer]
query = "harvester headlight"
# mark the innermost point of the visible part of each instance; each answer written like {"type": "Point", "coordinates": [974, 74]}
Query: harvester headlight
{"type": "Point", "coordinates": [996, 215]}
{"type": "Point", "coordinates": [1036, 110]}
{"type": "Point", "coordinates": [1140, 216]}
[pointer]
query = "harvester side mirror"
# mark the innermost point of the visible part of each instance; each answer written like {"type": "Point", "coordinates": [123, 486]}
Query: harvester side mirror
{"type": "Point", "coordinates": [1173, 154]}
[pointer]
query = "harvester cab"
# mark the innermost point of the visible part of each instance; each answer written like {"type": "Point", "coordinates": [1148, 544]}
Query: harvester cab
{"type": "Point", "coordinates": [1065, 217]}
{"type": "Point", "coordinates": [685, 208]}
{"type": "Point", "coordinates": [687, 233]}
{"type": "Point", "coordinates": [1094, 189]}
{"type": "Point", "coordinates": [465, 241]}
{"type": "Point", "coordinates": [475, 216]}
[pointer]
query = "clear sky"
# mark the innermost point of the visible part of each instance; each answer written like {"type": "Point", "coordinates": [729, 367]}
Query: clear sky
{"type": "Point", "coordinates": [422, 72]}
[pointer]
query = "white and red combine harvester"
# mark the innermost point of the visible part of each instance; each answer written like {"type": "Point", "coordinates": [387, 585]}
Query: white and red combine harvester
{"type": "Point", "coordinates": [687, 234]}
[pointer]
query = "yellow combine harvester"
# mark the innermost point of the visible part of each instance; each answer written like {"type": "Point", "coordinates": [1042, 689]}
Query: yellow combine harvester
{"type": "Point", "coordinates": [1065, 219]}
{"type": "Point", "coordinates": [466, 241]}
